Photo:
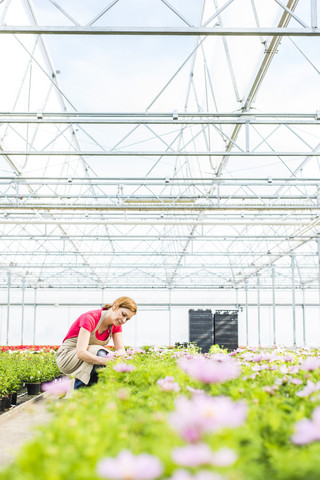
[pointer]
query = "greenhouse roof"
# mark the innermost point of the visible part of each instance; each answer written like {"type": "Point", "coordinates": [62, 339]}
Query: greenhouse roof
{"type": "Point", "coordinates": [160, 144]}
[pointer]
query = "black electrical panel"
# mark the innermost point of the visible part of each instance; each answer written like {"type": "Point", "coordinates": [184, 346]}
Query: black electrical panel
{"type": "Point", "coordinates": [226, 329]}
{"type": "Point", "coordinates": [201, 329]}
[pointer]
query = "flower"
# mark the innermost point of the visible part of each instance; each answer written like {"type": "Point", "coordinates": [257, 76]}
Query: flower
{"type": "Point", "coordinates": [308, 389]}
{"type": "Point", "coordinates": [224, 457]}
{"type": "Point", "coordinates": [203, 414]}
{"type": "Point", "coordinates": [181, 474]}
{"type": "Point", "coordinates": [307, 431]}
{"type": "Point", "coordinates": [58, 387]}
{"type": "Point", "coordinates": [311, 363]}
{"type": "Point", "coordinates": [193, 455]}
{"type": "Point", "coordinates": [210, 371]}
{"type": "Point", "coordinates": [130, 467]}
{"type": "Point", "coordinates": [168, 384]}
{"type": "Point", "coordinates": [123, 367]}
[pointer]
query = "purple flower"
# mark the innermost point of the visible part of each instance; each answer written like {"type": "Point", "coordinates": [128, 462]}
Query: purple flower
{"type": "Point", "coordinates": [311, 363]}
{"type": "Point", "coordinates": [130, 467]}
{"type": "Point", "coordinates": [307, 431]}
{"type": "Point", "coordinates": [58, 388]}
{"type": "Point", "coordinates": [210, 371]}
{"type": "Point", "coordinates": [193, 455]}
{"type": "Point", "coordinates": [168, 384]}
{"type": "Point", "coordinates": [123, 367]}
{"type": "Point", "coordinates": [203, 414]}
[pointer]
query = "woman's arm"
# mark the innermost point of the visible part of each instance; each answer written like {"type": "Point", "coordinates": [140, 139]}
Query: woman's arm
{"type": "Point", "coordinates": [82, 349]}
{"type": "Point", "coordinates": [118, 343]}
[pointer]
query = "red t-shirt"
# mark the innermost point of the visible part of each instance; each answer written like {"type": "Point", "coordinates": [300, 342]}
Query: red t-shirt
{"type": "Point", "coordinates": [89, 321]}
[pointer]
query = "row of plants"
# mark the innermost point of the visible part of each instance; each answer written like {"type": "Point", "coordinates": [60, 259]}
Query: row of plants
{"type": "Point", "coordinates": [24, 366]}
{"type": "Point", "coordinates": [31, 348]}
{"type": "Point", "coordinates": [174, 414]}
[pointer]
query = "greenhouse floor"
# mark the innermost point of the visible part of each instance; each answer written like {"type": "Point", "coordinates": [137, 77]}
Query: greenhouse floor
{"type": "Point", "coordinates": [18, 426]}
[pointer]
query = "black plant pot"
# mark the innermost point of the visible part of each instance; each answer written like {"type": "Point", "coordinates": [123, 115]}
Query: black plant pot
{"type": "Point", "coordinates": [14, 398]}
{"type": "Point", "coordinates": [33, 388]}
{"type": "Point", "coordinates": [8, 400]}
{"type": "Point", "coordinates": [2, 404]}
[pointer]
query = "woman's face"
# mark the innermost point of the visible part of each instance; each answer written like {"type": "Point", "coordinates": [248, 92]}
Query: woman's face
{"type": "Point", "coordinates": [120, 315]}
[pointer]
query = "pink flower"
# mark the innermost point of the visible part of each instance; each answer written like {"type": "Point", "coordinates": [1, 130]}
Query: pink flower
{"type": "Point", "coordinates": [295, 381]}
{"type": "Point", "coordinates": [193, 455]}
{"type": "Point", "coordinates": [307, 431]}
{"type": "Point", "coordinates": [181, 474]}
{"type": "Point", "coordinates": [130, 467]}
{"type": "Point", "coordinates": [168, 384]}
{"type": "Point", "coordinates": [203, 414]}
{"type": "Point", "coordinates": [311, 363]}
{"type": "Point", "coordinates": [210, 371]}
{"type": "Point", "coordinates": [58, 388]}
{"type": "Point", "coordinates": [224, 457]}
{"type": "Point", "coordinates": [309, 389]}
{"type": "Point", "coordinates": [123, 367]}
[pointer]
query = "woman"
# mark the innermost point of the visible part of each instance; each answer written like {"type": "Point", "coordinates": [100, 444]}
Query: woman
{"type": "Point", "coordinates": [83, 348]}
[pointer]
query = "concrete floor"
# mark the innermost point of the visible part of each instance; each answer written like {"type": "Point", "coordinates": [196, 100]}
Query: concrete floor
{"type": "Point", "coordinates": [18, 425]}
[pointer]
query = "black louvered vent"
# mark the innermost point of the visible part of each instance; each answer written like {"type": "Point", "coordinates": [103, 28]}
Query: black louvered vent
{"type": "Point", "coordinates": [201, 329]}
{"type": "Point", "coordinates": [226, 329]}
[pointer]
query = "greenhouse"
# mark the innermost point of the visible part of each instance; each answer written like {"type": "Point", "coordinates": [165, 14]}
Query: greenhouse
{"type": "Point", "coordinates": [160, 234]}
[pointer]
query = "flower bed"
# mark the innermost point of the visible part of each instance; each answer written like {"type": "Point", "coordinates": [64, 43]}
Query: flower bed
{"type": "Point", "coordinates": [24, 366]}
{"type": "Point", "coordinates": [172, 414]}
{"type": "Point", "coordinates": [31, 348]}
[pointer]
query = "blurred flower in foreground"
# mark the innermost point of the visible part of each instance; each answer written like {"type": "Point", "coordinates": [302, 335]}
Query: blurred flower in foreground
{"type": "Point", "coordinates": [201, 475]}
{"type": "Point", "coordinates": [193, 455]}
{"type": "Point", "coordinates": [130, 467]}
{"type": "Point", "coordinates": [203, 414]}
{"type": "Point", "coordinates": [210, 371]}
{"type": "Point", "coordinates": [123, 367]}
{"type": "Point", "coordinates": [200, 454]}
{"type": "Point", "coordinates": [308, 389]}
{"type": "Point", "coordinates": [59, 387]}
{"type": "Point", "coordinates": [307, 431]}
{"type": "Point", "coordinates": [224, 457]}
{"type": "Point", "coordinates": [168, 384]}
{"type": "Point", "coordinates": [310, 363]}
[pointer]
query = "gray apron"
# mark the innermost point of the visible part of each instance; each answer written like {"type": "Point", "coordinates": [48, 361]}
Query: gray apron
{"type": "Point", "coordinates": [70, 364]}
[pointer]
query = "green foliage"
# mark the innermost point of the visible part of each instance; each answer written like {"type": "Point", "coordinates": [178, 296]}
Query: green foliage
{"type": "Point", "coordinates": [129, 411]}
{"type": "Point", "coordinates": [19, 367]}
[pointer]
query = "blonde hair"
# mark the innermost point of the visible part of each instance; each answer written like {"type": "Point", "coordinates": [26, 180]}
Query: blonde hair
{"type": "Point", "coordinates": [123, 302]}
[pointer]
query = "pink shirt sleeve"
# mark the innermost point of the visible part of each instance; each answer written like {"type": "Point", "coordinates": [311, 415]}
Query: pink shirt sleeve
{"type": "Point", "coordinates": [116, 329]}
{"type": "Point", "coordinates": [87, 321]}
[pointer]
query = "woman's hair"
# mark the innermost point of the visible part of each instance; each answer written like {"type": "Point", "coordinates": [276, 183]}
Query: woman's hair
{"type": "Point", "coordinates": [123, 302]}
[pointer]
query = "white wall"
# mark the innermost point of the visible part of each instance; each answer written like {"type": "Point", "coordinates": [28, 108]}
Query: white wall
{"type": "Point", "coordinates": [151, 324]}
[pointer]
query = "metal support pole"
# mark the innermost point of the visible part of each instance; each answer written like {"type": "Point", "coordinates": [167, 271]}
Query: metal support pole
{"type": "Point", "coordinates": [8, 308]}
{"type": "Point", "coordinates": [169, 317]}
{"type": "Point", "coordinates": [314, 20]}
{"type": "Point", "coordinates": [247, 315]}
{"type": "Point", "coordinates": [303, 317]}
{"type": "Point", "coordinates": [102, 296]}
{"type": "Point", "coordinates": [274, 307]}
{"type": "Point", "coordinates": [22, 310]}
{"type": "Point", "coordinates": [34, 316]}
{"type": "Point", "coordinates": [293, 303]}
{"type": "Point", "coordinates": [318, 241]}
{"type": "Point", "coordinates": [259, 319]}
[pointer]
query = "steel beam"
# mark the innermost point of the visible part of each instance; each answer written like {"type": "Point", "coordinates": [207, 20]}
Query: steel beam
{"type": "Point", "coordinates": [165, 153]}
{"type": "Point", "coordinates": [171, 31]}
